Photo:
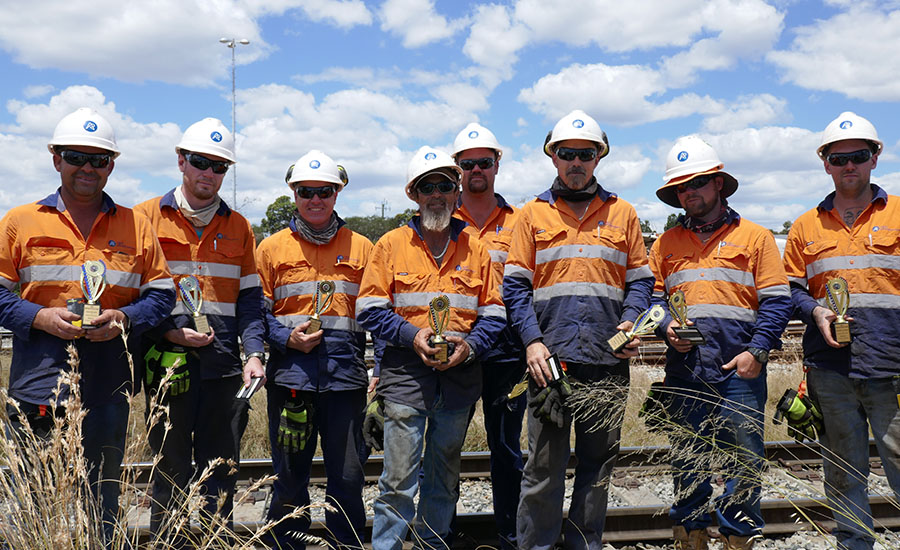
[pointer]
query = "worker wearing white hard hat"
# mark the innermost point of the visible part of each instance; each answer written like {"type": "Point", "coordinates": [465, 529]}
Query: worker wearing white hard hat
{"type": "Point", "coordinates": [849, 246]}
{"type": "Point", "coordinates": [86, 269]}
{"type": "Point", "coordinates": [210, 250]}
{"type": "Point", "coordinates": [576, 274]}
{"type": "Point", "coordinates": [716, 375]}
{"type": "Point", "coordinates": [430, 294]}
{"type": "Point", "coordinates": [316, 362]}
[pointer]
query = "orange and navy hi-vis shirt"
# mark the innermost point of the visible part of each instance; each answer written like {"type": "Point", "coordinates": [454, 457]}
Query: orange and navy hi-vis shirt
{"type": "Point", "coordinates": [571, 281]}
{"type": "Point", "coordinates": [290, 269]}
{"type": "Point", "coordinates": [496, 235]}
{"type": "Point", "coordinates": [820, 247]}
{"type": "Point", "coordinates": [398, 284]}
{"type": "Point", "coordinates": [43, 252]}
{"type": "Point", "coordinates": [735, 288]}
{"type": "Point", "coordinates": [223, 260]}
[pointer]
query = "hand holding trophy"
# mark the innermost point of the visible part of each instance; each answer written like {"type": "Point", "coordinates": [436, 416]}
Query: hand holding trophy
{"type": "Point", "coordinates": [678, 309]}
{"type": "Point", "coordinates": [189, 288]}
{"type": "Point", "coordinates": [837, 293]}
{"type": "Point", "coordinates": [324, 297]}
{"type": "Point", "coordinates": [646, 323]}
{"type": "Point", "coordinates": [438, 318]}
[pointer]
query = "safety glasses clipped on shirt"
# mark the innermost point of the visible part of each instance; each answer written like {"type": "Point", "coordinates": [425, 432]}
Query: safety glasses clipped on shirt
{"type": "Point", "coordinates": [202, 163]}
{"type": "Point", "coordinates": [469, 164]}
{"type": "Point", "coordinates": [77, 158]}
{"type": "Point", "coordinates": [568, 154]}
{"type": "Point", "coordinates": [856, 157]}
{"type": "Point", "coordinates": [305, 192]}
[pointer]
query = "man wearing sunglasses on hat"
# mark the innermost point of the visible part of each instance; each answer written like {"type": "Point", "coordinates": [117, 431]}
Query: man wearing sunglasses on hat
{"type": "Point", "coordinates": [201, 237]}
{"type": "Point", "coordinates": [576, 274]}
{"type": "Point", "coordinates": [737, 296]}
{"type": "Point", "coordinates": [427, 400]}
{"type": "Point", "coordinates": [318, 376]}
{"type": "Point", "coordinates": [854, 233]}
{"type": "Point", "coordinates": [47, 244]}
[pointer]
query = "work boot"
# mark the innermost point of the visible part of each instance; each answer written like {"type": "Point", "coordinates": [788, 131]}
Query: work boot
{"type": "Point", "coordinates": [735, 542]}
{"type": "Point", "coordinates": [696, 539]}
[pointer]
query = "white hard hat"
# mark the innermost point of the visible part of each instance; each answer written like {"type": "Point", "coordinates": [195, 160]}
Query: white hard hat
{"type": "Point", "coordinates": [316, 166]}
{"type": "Point", "coordinates": [208, 136]}
{"type": "Point", "coordinates": [849, 125]}
{"type": "Point", "coordinates": [475, 136]}
{"type": "Point", "coordinates": [84, 127]}
{"type": "Point", "coordinates": [428, 160]}
{"type": "Point", "coordinates": [577, 125]}
{"type": "Point", "coordinates": [688, 158]}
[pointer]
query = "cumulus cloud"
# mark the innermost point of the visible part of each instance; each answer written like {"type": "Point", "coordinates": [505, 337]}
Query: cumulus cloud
{"type": "Point", "coordinates": [417, 22]}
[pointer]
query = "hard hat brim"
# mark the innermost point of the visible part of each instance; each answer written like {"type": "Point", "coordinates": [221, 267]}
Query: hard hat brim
{"type": "Point", "coordinates": [452, 173]}
{"type": "Point", "coordinates": [667, 193]}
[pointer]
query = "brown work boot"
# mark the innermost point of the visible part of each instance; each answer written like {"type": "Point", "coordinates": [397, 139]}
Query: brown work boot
{"type": "Point", "coordinates": [734, 542]}
{"type": "Point", "coordinates": [690, 540]}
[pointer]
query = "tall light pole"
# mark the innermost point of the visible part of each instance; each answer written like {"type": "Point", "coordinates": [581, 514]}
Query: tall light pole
{"type": "Point", "coordinates": [232, 43]}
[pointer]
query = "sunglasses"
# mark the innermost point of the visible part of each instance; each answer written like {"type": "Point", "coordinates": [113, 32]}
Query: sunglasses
{"type": "Point", "coordinates": [202, 163]}
{"type": "Point", "coordinates": [77, 158]}
{"type": "Point", "coordinates": [694, 183]}
{"type": "Point", "coordinates": [568, 154]}
{"type": "Point", "coordinates": [856, 157]}
{"type": "Point", "coordinates": [305, 192]}
{"type": "Point", "coordinates": [484, 163]}
{"type": "Point", "coordinates": [444, 187]}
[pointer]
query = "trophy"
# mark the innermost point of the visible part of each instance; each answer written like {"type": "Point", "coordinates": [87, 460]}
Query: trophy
{"type": "Point", "coordinates": [838, 295]}
{"type": "Point", "coordinates": [324, 297]}
{"type": "Point", "coordinates": [93, 283]}
{"type": "Point", "coordinates": [189, 288]}
{"type": "Point", "coordinates": [438, 317]}
{"type": "Point", "coordinates": [646, 323]}
{"type": "Point", "coordinates": [678, 309]}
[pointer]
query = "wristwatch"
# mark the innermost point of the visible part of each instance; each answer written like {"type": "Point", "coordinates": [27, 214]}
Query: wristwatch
{"type": "Point", "coordinates": [471, 356]}
{"type": "Point", "coordinates": [259, 355]}
{"type": "Point", "coordinates": [761, 355]}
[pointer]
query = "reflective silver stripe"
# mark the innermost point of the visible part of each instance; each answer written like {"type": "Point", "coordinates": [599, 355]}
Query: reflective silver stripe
{"type": "Point", "coordinates": [882, 261]}
{"type": "Point", "coordinates": [799, 280]}
{"type": "Point", "coordinates": [659, 294]}
{"type": "Point", "coordinates": [516, 271]}
{"type": "Point", "coordinates": [492, 311]}
{"type": "Point", "coordinates": [123, 279]}
{"type": "Point", "coordinates": [710, 274]}
{"type": "Point", "coordinates": [422, 299]}
{"type": "Point", "coordinates": [206, 269]}
{"type": "Point", "coordinates": [268, 302]}
{"type": "Point", "coordinates": [642, 272]}
{"type": "Point", "coordinates": [159, 284]}
{"type": "Point", "coordinates": [567, 251]}
{"type": "Point", "coordinates": [6, 283]}
{"type": "Point", "coordinates": [722, 312]}
{"type": "Point", "coordinates": [308, 288]}
{"type": "Point", "coordinates": [579, 288]}
{"type": "Point", "coordinates": [69, 273]}
{"type": "Point", "coordinates": [369, 302]}
{"type": "Point", "coordinates": [211, 308]}
{"type": "Point", "coordinates": [454, 333]}
{"type": "Point", "coordinates": [873, 301]}
{"type": "Point", "coordinates": [250, 281]}
{"type": "Point", "coordinates": [498, 256]}
{"type": "Point", "coordinates": [770, 291]}
{"type": "Point", "coordinates": [332, 322]}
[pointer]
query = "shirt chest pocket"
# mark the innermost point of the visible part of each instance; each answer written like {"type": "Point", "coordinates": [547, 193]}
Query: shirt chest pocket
{"type": "Point", "coordinates": [733, 257]}
{"type": "Point", "coordinates": [610, 238]}
{"type": "Point", "coordinates": [174, 249]}
{"type": "Point", "coordinates": [230, 251]}
{"type": "Point", "coordinates": [884, 242]}
{"type": "Point", "coordinates": [818, 250]}
{"type": "Point", "coordinates": [349, 272]}
{"type": "Point", "coordinates": [548, 238]}
{"type": "Point", "coordinates": [48, 251]}
{"type": "Point", "coordinates": [295, 272]}
{"type": "Point", "coordinates": [410, 283]}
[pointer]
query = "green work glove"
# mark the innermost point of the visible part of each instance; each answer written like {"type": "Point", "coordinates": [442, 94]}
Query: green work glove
{"type": "Point", "coordinates": [294, 427]}
{"type": "Point", "coordinates": [373, 424]}
{"type": "Point", "coordinates": [803, 417]}
{"type": "Point", "coordinates": [157, 363]}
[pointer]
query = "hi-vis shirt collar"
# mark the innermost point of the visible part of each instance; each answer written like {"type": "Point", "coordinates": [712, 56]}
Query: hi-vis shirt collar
{"type": "Point", "coordinates": [604, 195]}
{"type": "Point", "coordinates": [456, 227]}
{"type": "Point", "coordinates": [54, 200]}
{"type": "Point", "coordinates": [733, 217]}
{"type": "Point", "coordinates": [828, 203]}
{"type": "Point", "coordinates": [501, 202]}
{"type": "Point", "coordinates": [169, 200]}
{"type": "Point", "coordinates": [293, 223]}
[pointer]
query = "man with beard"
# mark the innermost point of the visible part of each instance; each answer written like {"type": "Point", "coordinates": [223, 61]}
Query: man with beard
{"type": "Point", "coordinates": [207, 243]}
{"type": "Point", "coordinates": [576, 274]}
{"type": "Point", "coordinates": [492, 219]}
{"type": "Point", "coordinates": [737, 295]}
{"type": "Point", "coordinates": [412, 274]}
{"type": "Point", "coordinates": [854, 233]}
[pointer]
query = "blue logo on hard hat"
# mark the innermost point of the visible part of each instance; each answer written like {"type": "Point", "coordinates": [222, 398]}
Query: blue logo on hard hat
{"type": "Point", "coordinates": [314, 164]}
{"type": "Point", "coordinates": [215, 136]}
{"type": "Point", "coordinates": [682, 156]}
{"type": "Point", "coordinates": [473, 134]}
{"type": "Point", "coordinates": [90, 126]}
{"type": "Point", "coordinates": [846, 125]}
{"type": "Point", "coordinates": [578, 123]}
{"type": "Point", "coordinates": [430, 156]}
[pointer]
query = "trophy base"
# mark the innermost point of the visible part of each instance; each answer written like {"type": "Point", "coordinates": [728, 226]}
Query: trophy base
{"type": "Point", "coordinates": [618, 342]}
{"type": "Point", "coordinates": [691, 334]}
{"type": "Point", "coordinates": [201, 324]}
{"type": "Point", "coordinates": [842, 332]}
{"type": "Point", "coordinates": [445, 350]}
{"type": "Point", "coordinates": [314, 326]}
{"type": "Point", "coordinates": [89, 315]}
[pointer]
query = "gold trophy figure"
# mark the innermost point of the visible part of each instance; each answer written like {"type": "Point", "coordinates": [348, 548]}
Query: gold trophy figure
{"type": "Point", "coordinates": [324, 297]}
{"type": "Point", "coordinates": [646, 323]}
{"type": "Point", "coordinates": [189, 288]}
{"type": "Point", "coordinates": [93, 283]}
{"type": "Point", "coordinates": [837, 293]}
{"type": "Point", "coordinates": [678, 309]}
{"type": "Point", "coordinates": [438, 318]}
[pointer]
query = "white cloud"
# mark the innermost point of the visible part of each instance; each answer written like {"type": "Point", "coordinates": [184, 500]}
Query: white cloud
{"type": "Point", "coordinates": [748, 111]}
{"type": "Point", "coordinates": [495, 38]}
{"type": "Point", "coordinates": [344, 14]}
{"type": "Point", "coordinates": [417, 22]}
{"type": "Point", "coordinates": [371, 78]}
{"type": "Point", "coordinates": [31, 92]}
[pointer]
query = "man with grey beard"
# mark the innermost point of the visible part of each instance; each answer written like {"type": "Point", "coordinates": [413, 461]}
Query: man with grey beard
{"type": "Point", "coordinates": [414, 273]}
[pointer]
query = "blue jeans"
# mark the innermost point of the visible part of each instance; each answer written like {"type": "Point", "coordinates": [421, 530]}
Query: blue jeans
{"type": "Point", "coordinates": [850, 406]}
{"type": "Point", "coordinates": [722, 433]}
{"type": "Point", "coordinates": [406, 430]}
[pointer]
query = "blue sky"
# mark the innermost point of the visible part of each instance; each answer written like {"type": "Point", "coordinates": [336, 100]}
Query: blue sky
{"type": "Point", "coordinates": [370, 82]}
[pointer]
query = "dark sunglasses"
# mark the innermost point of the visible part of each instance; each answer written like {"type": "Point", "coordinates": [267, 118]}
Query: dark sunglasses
{"type": "Point", "coordinates": [856, 157]}
{"type": "Point", "coordinates": [305, 192]}
{"type": "Point", "coordinates": [484, 163]}
{"type": "Point", "coordinates": [202, 163]}
{"type": "Point", "coordinates": [77, 158]}
{"type": "Point", "coordinates": [694, 183]}
{"type": "Point", "coordinates": [568, 154]}
{"type": "Point", "coordinates": [444, 187]}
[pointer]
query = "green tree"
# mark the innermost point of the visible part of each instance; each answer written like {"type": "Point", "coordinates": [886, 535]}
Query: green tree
{"type": "Point", "coordinates": [671, 221]}
{"type": "Point", "coordinates": [278, 215]}
{"type": "Point", "coordinates": [786, 228]}
{"type": "Point", "coordinates": [645, 227]}
{"type": "Point", "coordinates": [373, 227]}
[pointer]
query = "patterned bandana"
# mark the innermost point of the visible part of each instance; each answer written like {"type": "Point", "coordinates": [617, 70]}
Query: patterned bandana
{"type": "Point", "coordinates": [316, 236]}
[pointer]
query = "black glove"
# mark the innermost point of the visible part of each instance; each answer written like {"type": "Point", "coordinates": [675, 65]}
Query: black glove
{"type": "Point", "coordinates": [803, 418]}
{"type": "Point", "coordinates": [550, 403]}
{"type": "Point", "coordinates": [157, 362]}
{"type": "Point", "coordinates": [295, 426]}
{"type": "Point", "coordinates": [373, 424]}
{"type": "Point", "coordinates": [655, 411]}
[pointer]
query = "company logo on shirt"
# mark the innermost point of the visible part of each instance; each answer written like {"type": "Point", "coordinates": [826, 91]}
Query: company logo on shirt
{"type": "Point", "coordinates": [882, 228]}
